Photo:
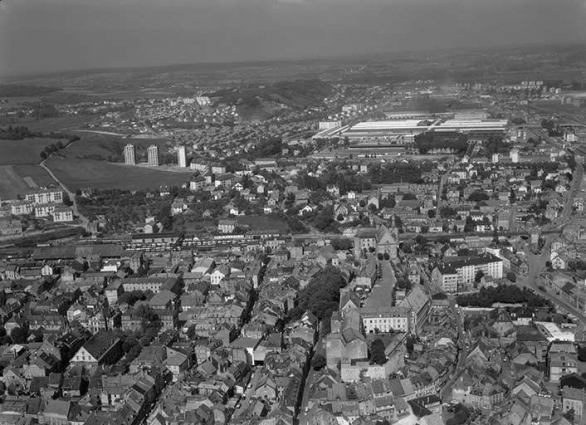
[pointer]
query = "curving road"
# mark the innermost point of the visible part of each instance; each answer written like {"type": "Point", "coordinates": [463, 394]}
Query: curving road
{"type": "Point", "coordinates": [76, 213]}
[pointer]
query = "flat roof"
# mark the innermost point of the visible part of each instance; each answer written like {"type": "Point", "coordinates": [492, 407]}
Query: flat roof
{"type": "Point", "coordinates": [472, 124]}
{"type": "Point", "coordinates": [424, 125]}
{"type": "Point", "coordinates": [555, 333]}
{"type": "Point", "coordinates": [389, 125]}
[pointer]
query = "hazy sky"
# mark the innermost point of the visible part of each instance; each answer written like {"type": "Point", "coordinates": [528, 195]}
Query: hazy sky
{"type": "Point", "coordinates": [48, 35]}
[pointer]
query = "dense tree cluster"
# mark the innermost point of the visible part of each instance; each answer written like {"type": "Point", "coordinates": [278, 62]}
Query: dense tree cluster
{"type": "Point", "coordinates": [133, 296]}
{"type": "Point", "coordinates": [318, 361]}
{"type": "Point", "coordinates": [56, 147]}
{"type": "Point", "coordinates": [124, 209]}
{"type": "Point", "coordinates": [377, 352]}
{"type": "Point", "coordinates": [20, 132]}
{"type": "Point", "coordinates": [502, 294]}
{"type": "Point", "coordinates": [457, 142]}
{"type": "Point", "coordinates": [346, 181]}
{"type": "Point", "coordinates": [323, 220]}
{"type": "Point", "coordinates": [395, 173]}
{"type": "Point", "coordinates": [322, 295]}
{"type": "Point", "coordinates": [342, 244]}
{"type": "Point", "coordinates": [461, 415]}
{"type": "Point", "coordinates": [553, 129]}
{"type": "Point", "coordinates": [478, 196]}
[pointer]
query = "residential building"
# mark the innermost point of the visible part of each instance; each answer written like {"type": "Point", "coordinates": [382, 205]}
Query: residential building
{"type": "Point", "coordinates": [574, 399]}
{"type": "Point", "coordinates": [181, 157]}
{"type": "Point", "coordinates": [153, 156]}
{"type": "Point", "coordinates": [129, 154]}
{"type": "Point", "coordinates": [385, 319]}
{"type": "Point", "coordinates": [103, 348]}
{"type": "Point", "coordinates": [46, 196]}
{"type": "Point", "coordinates": [62, 214]}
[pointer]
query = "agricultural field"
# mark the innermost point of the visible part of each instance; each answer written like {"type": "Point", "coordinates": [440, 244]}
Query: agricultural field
{"type": "Point", "coordinates": [18, 179]}
{"type": "Point", "coordinates": [25, 151]}
{"type": "Point", "coordinates": [80, 173]}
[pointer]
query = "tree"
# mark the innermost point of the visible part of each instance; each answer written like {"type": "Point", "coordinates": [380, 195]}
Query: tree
{"type": "Point", "coordinates": [469, 226]}
{"type": "Point", "coordinates": [570, 415]}
{"type": "Point", "coordinates": [421, 240]}
{"type": "Point", "coordinates": [19, 335]}
{"type": "Point", "coordinates": [342, 244]}
{"type": "Point", "coordinates": [318, 361]}
{"type": "Point", "coordinates": [377, 352]}
{"type": "Point", "coordinates": [448, 212]}
{"type": "Point", "coordinates": [191, 332]}
{"type": "Point", "coordinates": [582, 353]}
{"type": "Point", "coordinates": [44, 155]}
{"type": "Point", "coordinates": [478, 196]}
{"type": "Point", "coordinates": [512, 276]}
{"type": "Point", "coordinates": [403, 284]}
{"type": "Point", "coordinates": [431, 213]}
{"type": "Point", "coordinates": [129, 343]}
{"type": "Point", "coordinates": [478, 276]}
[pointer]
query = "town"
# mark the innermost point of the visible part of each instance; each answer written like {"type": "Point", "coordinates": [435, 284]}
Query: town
{"type": "Point", "coordinates": [404, 254]}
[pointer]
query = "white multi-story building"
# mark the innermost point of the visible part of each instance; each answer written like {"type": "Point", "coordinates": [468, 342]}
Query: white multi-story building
{"type": "Point", "coordinates": [181, 157]}
{"type": "Point", "coordinates": [46, 210]}
{"type": "Point", "coordinates": [62, 214]}
{"type": "Point", "coordinates": [21, 208]}
{"type": "Point", "coordinates": [46, 196]}
{"type": "Point", "coordinates": [153, 156]}
{"type": "Point", "coordinates": [445, 277]}
{"type": "Point", "coordinates": [450, 274]}
{"type": "Point", "coordinates": [385, 319]}
{"type": "Point", "coordinates": [129, 154]}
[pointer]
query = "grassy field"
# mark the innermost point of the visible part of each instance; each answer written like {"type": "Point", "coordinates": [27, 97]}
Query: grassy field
{"type": "Point", "coordinates": [263, 223]}
{"type": "Point", "coordinates": [79, 173]}
{"type": "Point", "coordinates": [25, 151]}
{"type": "Point", "coordinates": [19, 179]}
{"type": "Point", "coordinates": [101, 147]}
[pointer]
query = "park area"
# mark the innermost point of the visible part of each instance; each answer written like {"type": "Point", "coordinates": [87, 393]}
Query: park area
{"type": "Point", "coordinates": [81, 173]}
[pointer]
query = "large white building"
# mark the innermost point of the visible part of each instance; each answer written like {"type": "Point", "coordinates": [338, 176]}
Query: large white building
{"type": "Point", "coordinates": [181, 157]}
{"type": "Point", "coordinates": [385, 319]}
{"type": "Point", "coordinates": [129, 154]}
{"type": "Point", "coordinates": [404, 131]}
{"type": "Point", "coordinates": [46, 196]}
{"type": "Point", "coordinates": [153, 155]}
{"type": "Point", "coordinates": [449, 275]}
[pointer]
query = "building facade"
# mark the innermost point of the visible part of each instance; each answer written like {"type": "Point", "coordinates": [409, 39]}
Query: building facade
{"type": "Point", "coordinates": [129, 154]}
{"type": "Point", "coordinates": [153, 156]}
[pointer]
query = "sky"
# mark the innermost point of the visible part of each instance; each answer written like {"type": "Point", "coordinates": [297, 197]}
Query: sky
{"type": "Point", "coordinates": [52, 35]}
